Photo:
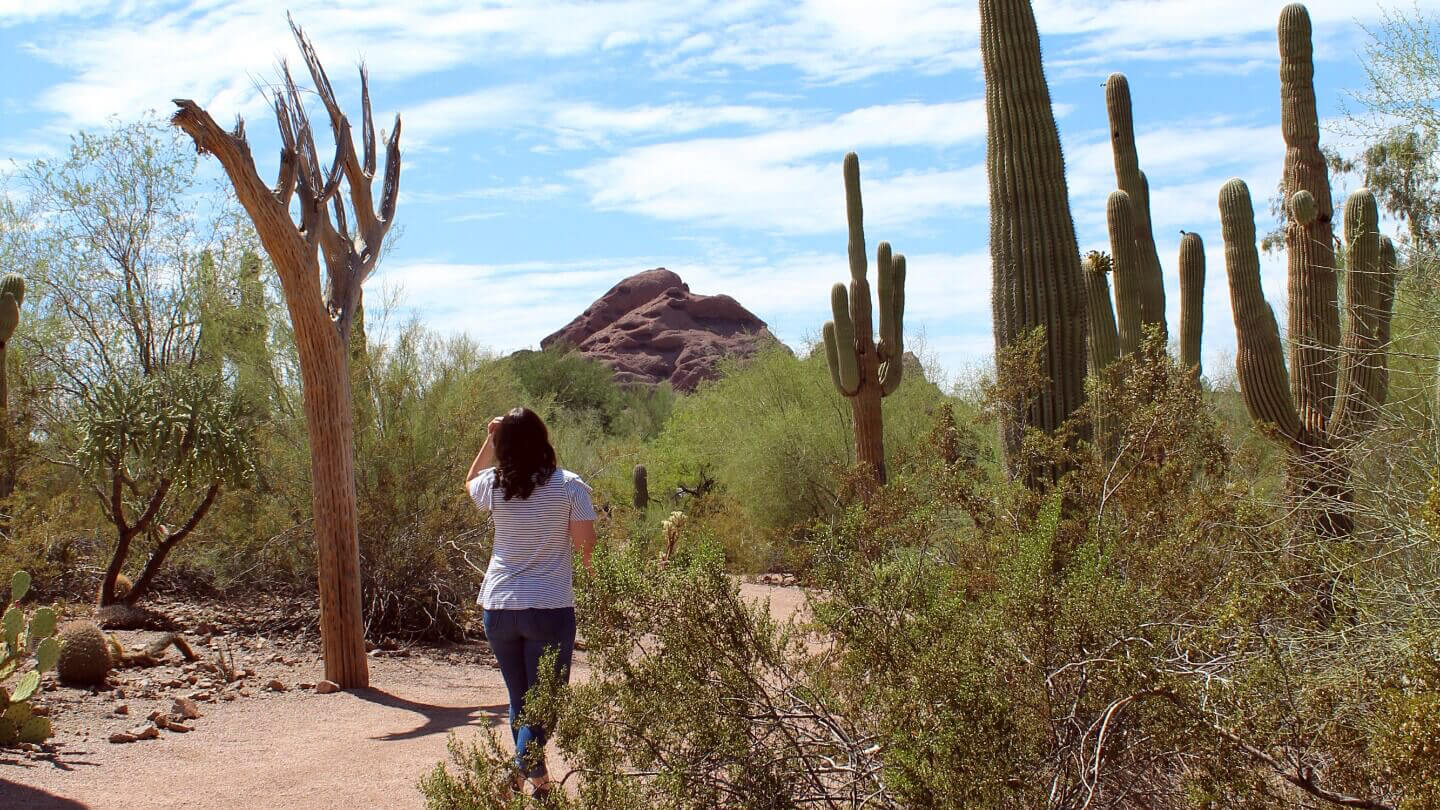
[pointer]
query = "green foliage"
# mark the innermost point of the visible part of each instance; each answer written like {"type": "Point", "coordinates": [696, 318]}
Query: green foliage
{"type": "Point", "coordinates": [776, 439]}
{"type": "Point", "coordinates": [432, 399]}
{"type": "Point", "coordinates": [574, 382]}
{"type": "Point", "coordinates": [24, 639]}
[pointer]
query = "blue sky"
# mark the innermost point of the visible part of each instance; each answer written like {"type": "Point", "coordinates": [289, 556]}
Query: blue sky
{"type": "Point", "coordinates": [552, 148]}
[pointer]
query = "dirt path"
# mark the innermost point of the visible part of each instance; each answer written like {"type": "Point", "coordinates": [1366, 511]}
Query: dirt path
{"type": "Point", "coordinates": [294, 749]}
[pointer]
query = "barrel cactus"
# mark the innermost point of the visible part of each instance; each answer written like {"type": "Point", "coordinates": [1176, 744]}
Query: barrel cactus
{"type": "Point", "coordinates": [863, 369]}
{"type": "Point", "coordinates": [1035, 259]}
{"type": "Point", "coordinates": [25, 639]}
{"type": "Point", "coordinates": [84, 654]}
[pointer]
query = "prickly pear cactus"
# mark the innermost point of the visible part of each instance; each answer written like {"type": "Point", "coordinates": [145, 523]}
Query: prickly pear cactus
{"type": "Point", "coordinates": [24, 639]}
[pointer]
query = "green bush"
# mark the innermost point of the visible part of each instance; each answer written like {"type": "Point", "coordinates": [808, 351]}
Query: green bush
{"type": "Point", "coordinates": [777, 437]}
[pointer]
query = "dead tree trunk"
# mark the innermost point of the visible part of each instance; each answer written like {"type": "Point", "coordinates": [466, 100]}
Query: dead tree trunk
{"type": "Point", "coordinates": [321, 317]}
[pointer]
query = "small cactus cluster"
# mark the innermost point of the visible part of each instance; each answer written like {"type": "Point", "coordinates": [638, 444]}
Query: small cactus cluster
{"type": "Point", "coordinates": [25, 639]}
{"type": "Point", "coordinates": [85, 654]}
{"type": "Point", "coordinates": [862, 368]}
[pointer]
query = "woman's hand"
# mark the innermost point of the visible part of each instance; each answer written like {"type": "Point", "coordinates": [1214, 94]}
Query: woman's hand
{"type": "Point", "coordinates": [494, 425]}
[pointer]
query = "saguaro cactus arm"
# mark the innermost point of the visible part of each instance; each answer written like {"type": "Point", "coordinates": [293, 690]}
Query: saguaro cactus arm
{"type": "Point", "coordinates": [1260, 359]}
{"type": "Point", "coordinates": [890, 272]}
{"type": "Point", "coordinates": [1129, 270]}
{"type": "Point", "coordinates": [1369, 296]}
{"type": "Point", "coordinates": [1104, 337]}
{"type": "Point", "coordinates": [839, 335]}
{"type": "Point", "coordinates": [1131, 180]}
{"type": "Point", "coordinates": [1192, 300]}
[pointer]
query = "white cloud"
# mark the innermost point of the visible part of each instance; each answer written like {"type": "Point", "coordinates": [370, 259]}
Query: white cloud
{"type": "Point", "coordinates": [788, 180]}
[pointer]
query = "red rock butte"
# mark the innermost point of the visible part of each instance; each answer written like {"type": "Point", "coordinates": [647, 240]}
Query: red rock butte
{"type": "Point", "coordinates": [650, 328]}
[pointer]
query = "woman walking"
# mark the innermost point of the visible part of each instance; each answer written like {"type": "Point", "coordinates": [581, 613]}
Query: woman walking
{"type": "Point", "coordinates": [542, 517]}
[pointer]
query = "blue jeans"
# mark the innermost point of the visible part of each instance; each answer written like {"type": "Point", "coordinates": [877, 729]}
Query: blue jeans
{"type": "Point", "coordinates": [519, 638]}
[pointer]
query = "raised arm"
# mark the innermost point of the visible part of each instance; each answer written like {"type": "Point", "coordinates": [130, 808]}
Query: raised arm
{"type": "Point", "coordinates": [486, 457]}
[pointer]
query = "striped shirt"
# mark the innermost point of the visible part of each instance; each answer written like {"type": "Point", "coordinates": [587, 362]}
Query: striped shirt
{"type": "Point", "coordinates": [532, 565]}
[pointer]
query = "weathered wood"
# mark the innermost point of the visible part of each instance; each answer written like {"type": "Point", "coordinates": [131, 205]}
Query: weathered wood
{"type": "Point", "coordinates": [321, 317]}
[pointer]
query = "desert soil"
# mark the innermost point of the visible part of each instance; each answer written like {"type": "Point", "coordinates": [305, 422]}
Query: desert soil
{"type": "Point", "coordinates": [263, 748]}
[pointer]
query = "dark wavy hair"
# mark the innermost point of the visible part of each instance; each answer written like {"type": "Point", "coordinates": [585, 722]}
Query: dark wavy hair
{"type": "Point", "coordinates": [523, 455]}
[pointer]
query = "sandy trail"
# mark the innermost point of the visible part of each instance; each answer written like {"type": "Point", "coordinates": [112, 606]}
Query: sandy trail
{"type": "Point", "coordinates": [347, 751]}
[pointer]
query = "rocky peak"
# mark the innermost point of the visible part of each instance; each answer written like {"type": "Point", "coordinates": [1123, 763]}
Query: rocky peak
{"type": "Point", "coordinates": [650, 328]}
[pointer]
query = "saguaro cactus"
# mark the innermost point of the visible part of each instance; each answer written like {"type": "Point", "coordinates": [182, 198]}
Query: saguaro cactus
{"type": "Point", "coordinates": [12, 295]}
{"type": "Point", "coordinates": [1104, 336]}
{"type": "Point", "coordinates": [1132, 181]}
{"type": "Point", "coordinates": [863, 369]}
{"type": "Point", "coordinates": [1036, 280]}
{"type": "Point", "coordinates": [1192, 300]}
{"type": "Point", "coordinates": [642, 487]}
{"type": "Point", "coordinates": [1318, 470]}
{"type": "Point", "coordinates": [1334, 388]}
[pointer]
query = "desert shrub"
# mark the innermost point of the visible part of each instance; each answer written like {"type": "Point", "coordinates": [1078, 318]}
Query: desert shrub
{"type": "Point", "coordinates": [576, 383]}
{"type": "Point", "coordinates": [1135, 636]}
{"type": "Point", "coordinates": [776, 436]}
{"type": "Point", "coordinates": [431, 399]}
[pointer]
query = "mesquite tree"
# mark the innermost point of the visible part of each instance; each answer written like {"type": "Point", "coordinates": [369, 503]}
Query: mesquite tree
{"type": "Point", "coordinates": [1034, 255]}
{"type": "Point", "coordinates": [862, 368]}
{"type": "Point", "coordinates": [321, 317]}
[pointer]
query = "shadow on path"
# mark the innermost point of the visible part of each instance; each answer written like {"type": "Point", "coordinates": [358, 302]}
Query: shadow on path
{"type": "Point", "coordinates": [438, 719]}
{"type": "Point", "coordinates": [16, 795]}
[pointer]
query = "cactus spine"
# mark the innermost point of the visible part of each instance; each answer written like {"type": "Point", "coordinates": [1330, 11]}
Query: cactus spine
{"type": "Point", "coordinates": [1034, 255]}
{"type": "Point", "coordinates": [863, 369]}
{"type": "Point", "coordinates": [642, 487]}
{"type": "Point", "coordinates": [1192, 301]}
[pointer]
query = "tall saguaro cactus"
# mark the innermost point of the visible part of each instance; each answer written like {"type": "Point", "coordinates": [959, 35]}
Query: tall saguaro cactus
{"type": "Point", "coordinates": [1104, 337]}
{"type": "Point", "coordinates": [1036, 280]}
{"type": "Point", "coordinates": [12, 295]}
{"type": "Point", "coordinates": [1334, 387]}
{"type": "Point", "coordinates": [1314, 322]}
{"type": "Point", "coordinates": [863, 369]}
{"type": "Point", "coordinates": [1132, 181]}
{"type": "Point", "coordinates": [321, 316]}
{"type": "Point", "coordinates": [1318, 470]}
